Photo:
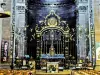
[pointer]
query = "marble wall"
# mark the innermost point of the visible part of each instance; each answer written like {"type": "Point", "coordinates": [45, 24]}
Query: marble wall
{"type": "Point", "coordinates": [97, 20]}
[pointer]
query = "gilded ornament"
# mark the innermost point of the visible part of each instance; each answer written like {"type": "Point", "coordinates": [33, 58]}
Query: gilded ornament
{"type": "Point", "coordinates": [38, 35]}
{"type": "Point", "coordinates": [52, 21]}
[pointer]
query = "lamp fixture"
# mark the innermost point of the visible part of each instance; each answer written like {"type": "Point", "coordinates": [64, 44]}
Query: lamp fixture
{"type": "Point", "coordinates": [4, 14]}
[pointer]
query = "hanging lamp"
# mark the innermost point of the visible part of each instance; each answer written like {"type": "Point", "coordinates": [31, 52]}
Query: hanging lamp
{"type": "Point", "coordinates": [4, 14]}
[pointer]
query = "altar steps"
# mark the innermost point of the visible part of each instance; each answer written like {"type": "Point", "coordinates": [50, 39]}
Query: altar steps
{"type": "Point", "coordinates": [52, 74]}
{"type": "Point", "coordinates": [64, 72]}
{"type": "Point", "coordinates": [40, 72]}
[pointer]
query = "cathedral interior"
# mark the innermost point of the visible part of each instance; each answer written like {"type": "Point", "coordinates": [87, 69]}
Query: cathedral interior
{"type": "Point", "coordinates": [49, 37]}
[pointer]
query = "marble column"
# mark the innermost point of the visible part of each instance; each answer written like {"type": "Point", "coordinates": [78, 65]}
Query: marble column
{"type": "Point", "coordinates": [1, 10]}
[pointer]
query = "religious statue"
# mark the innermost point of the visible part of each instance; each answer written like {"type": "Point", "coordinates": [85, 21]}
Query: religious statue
{"type": "Point", "coordinates": [52, 51]}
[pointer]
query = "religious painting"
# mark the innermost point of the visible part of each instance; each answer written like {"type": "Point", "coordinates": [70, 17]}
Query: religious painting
{"type": "Point", "coordinates": [4, 51]}
{"type": "Point", "coordinates": [52, 67]}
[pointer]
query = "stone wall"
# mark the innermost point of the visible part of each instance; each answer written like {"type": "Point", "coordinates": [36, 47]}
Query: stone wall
{"type": "Point", "coordinates": [97, 20]}
{"type": "Point", "coordinates": [6, 24]}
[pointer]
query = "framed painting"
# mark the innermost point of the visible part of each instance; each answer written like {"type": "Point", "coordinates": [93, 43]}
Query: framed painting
{"type": "Point", "coordinates": [52, 67]}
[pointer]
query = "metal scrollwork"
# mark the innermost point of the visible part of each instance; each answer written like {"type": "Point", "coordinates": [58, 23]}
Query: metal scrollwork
{"type": "Point", "coordinates": [52, 21]}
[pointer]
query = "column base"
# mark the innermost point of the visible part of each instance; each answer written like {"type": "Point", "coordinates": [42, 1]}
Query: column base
{"type": "Point", "coordinates": [97, 67]}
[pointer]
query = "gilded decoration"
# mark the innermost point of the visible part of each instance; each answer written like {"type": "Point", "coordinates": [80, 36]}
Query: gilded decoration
{"type": "Point", "coordinates": [52, 21]}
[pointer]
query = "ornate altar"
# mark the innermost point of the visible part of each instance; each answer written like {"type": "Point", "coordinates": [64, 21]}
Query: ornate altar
{"type": "Point", "coordinates": [52, 41]}
{"type": "Point", "coordinates": [59, 58]}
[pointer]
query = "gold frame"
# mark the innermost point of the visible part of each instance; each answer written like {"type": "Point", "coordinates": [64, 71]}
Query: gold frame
{"type": "Point", "coordinates": [55, 65]}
